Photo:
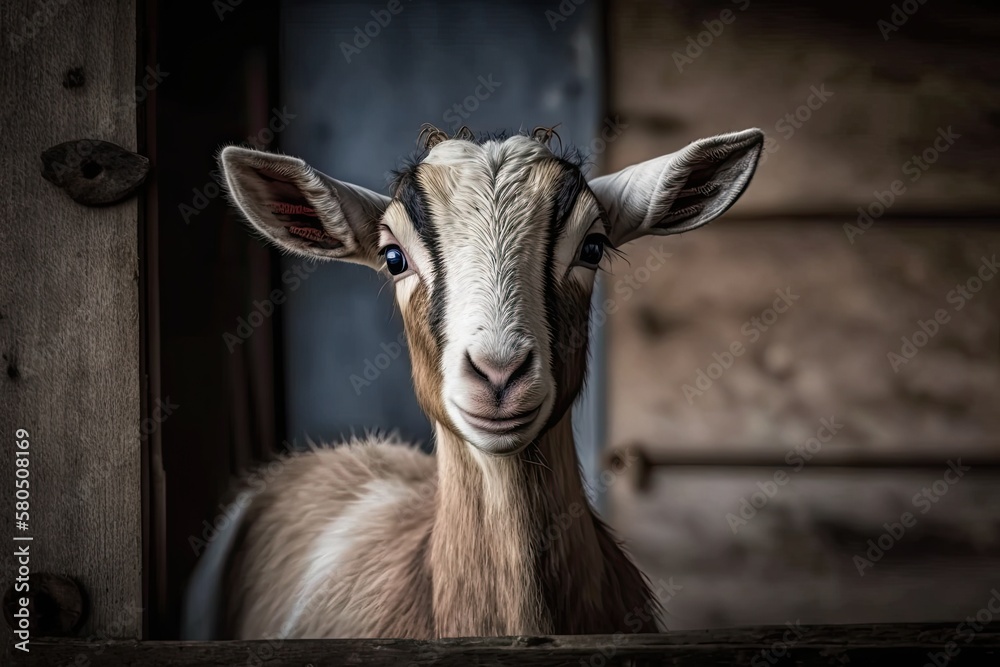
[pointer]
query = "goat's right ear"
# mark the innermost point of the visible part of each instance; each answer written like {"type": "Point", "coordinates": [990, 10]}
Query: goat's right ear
{"type": "Point", "coordinates": [681, 191]}
{"type": "Point", "coordinates": [303, 210]}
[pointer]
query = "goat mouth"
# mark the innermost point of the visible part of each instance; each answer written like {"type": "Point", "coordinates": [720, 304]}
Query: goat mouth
{"type": "Point", "coordinates": [503, 426]}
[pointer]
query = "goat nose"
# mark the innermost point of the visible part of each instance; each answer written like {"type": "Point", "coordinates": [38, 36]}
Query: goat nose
{"type": "Point", "coordinates": [500, 374]}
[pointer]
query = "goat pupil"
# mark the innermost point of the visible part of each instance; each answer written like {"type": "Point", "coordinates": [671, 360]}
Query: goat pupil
{"type": "Point", "coordinates": [593, 250]}
{"type": "Point", "coordinates": [395, 261]}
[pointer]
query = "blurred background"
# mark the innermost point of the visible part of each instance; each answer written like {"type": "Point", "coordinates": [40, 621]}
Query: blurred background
{"type": "Point", "coordinates": [768, 406]}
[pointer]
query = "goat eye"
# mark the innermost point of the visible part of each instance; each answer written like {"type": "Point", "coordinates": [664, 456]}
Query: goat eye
{"type": "Point", "coordinates": [593, 250]}
{"type": "Point", "coordinates": [395, 260]}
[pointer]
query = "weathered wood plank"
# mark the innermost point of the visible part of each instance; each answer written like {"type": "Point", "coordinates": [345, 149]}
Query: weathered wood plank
{"type": "Point", "coordinates": [684, 69]}
{"type": "Point", "coordinates": [69, 332]}
{"type": "Point", "coordinates": [823, 546]}
{"type": "Point", "coordinates": [853, 645]}
{"type": "Point", "coordinates": [681, 305]}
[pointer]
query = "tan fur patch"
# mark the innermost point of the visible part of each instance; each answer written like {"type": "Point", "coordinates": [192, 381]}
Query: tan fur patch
{"type": "Point", "coordinates": [425, 355]}
{"type": "Point", "coordinates": [571, 339]}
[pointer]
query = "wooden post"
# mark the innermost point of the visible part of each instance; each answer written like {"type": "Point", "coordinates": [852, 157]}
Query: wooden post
{"type": "Point", "coordinates": [69, 328]}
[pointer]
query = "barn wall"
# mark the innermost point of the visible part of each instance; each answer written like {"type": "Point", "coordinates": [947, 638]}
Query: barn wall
{"type": "Point", "coordinates": [69, 327]}
{"type": "Point", "coordinates": [854, 294]}
{"type": "Point", "coordinates": [875, 102]}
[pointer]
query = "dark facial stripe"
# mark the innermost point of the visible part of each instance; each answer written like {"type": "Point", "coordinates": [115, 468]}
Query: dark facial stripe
{"type": "Point", "coordinates": [562, 205]}
{"type": "Point", "coordinates": [429, 234]}
{"type": "Point", "coordinates": [571, 185]}
{"type": "Point", "coordinates": [549, 288]}
{"type": "Point", "coordinates": [408, 190]}
{"type": "Point", "coordinates": [411, 194]}
{"type": "Point", "coordinates": [413, 198]}
{"type": "Point", "coordinates": [567, 327]}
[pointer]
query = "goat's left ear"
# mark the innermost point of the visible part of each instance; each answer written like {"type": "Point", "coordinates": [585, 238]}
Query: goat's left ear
{"type": "Point", "coordinates": [303, 210]}
{"type": "Point", "coordinates": [681, 191]}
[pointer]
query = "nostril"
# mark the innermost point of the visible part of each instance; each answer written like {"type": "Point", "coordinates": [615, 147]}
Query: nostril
{"type": "Point", "coordinates": [475, 369]}
{"type": "Point", "coordinates": [523, 369]}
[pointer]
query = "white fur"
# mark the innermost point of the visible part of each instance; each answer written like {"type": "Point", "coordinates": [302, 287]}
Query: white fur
{"type": "Point", "coordinates": [337, 541]}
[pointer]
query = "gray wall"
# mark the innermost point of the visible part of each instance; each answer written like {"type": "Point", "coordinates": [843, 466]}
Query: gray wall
{"type": "Point", "coordinates": [355, 120]}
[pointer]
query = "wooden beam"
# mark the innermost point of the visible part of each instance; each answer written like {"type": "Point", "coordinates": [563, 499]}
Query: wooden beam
{"type": "Point", "coordinates": [69, 308]}
{"type": "Point", "coordinates": [854, 645]}
{"type": "Point", "coordinates": [639, 461]}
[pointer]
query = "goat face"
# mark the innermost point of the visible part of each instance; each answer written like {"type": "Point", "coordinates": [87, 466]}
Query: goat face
{"type": "Point", "coordinates": [492, 247]}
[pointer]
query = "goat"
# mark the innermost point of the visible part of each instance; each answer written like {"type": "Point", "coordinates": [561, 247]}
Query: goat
{"type": "Point", "coordinates": [492, 246]}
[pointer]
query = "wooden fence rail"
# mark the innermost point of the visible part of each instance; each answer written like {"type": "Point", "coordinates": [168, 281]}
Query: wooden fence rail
{"type": "Point", "coordinates": [914, 645]}
{"type": "Point", "coordinates": [639, 462]}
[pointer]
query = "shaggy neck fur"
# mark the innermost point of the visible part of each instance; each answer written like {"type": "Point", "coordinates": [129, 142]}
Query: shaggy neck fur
{"type": "Point", "coordinates": [515, 548]}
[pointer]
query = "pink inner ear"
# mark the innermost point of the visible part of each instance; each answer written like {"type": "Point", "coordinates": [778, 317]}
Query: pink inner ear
{"type": "Point", "coordinates": [290, 209]}
{"type": "Point", "coordinates": [310, 233]}
{"type": "Point", "coordinates": [284, 208]}
{"type": "Point", "coordinates": [287, 213]}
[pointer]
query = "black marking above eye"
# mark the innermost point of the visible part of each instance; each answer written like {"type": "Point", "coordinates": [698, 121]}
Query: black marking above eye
{"type": "Point", "coordinates": [395, 260]}
{"type": "Point", "coordinates": [592, 250]}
